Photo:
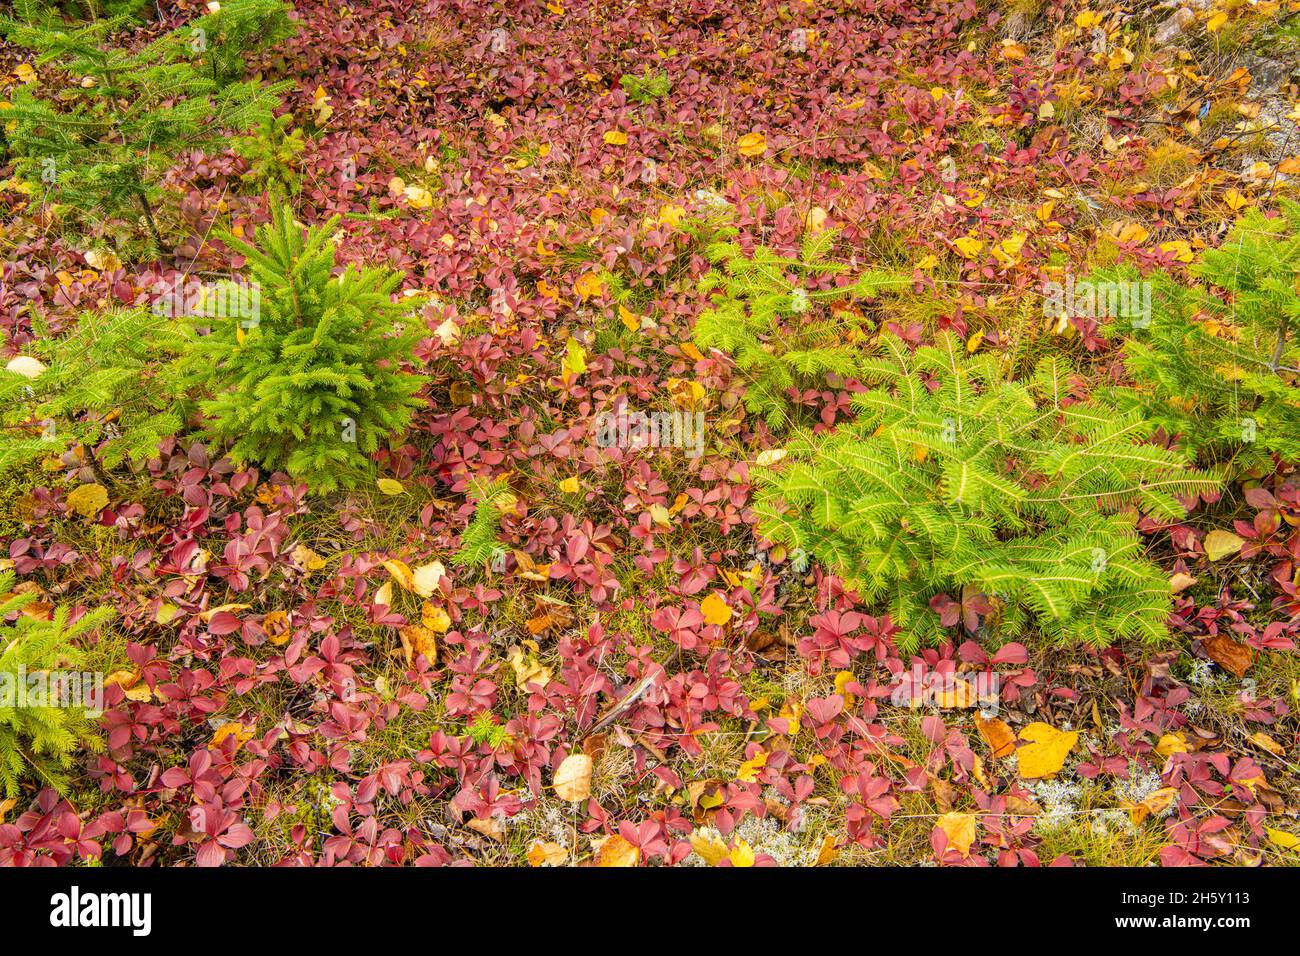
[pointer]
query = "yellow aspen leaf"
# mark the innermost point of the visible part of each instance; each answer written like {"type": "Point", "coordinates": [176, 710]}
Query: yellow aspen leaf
{"type": "Point", "coordinates": [25, 73]}
{"type": "Point", "coordinates": [306, 558]}
{"type": "Point", "coordinates": [1235, 200]}
{"type": "Point", "coordinates": [416, 640]}
{"type": "Point", "coordinates": [88, 500]}
{"type": "Point", "coordinates": [1263, 740]}
{"type": "Point", "coordinates": [242, 733]}
{"type": "Point", "coordinates": [715, 609]}
{"type": "Point", "coordinates": [615, 851]}
{"type": "Point", "coordinates": [435, 618]}
{"type": "Point", "coordinates": [570, 485]}
{"type": "Point", "coordinates": [588, 286]}
{"type": "Point", "coordinates": [927, 262]}
{"type": "Point", "coordinates": [960, 828]}
{"type": "Point", "coordinates": [616, 137]}
{"type": "Point", "coordinates": [1087, 19]}
{"type": "Point", "coordinates": [426, 578]}
{"type": "Point", "coordinates": [1171, 744]}
{"type": "Point", "coordinates": [747, 772]}
{"type": "Point", "coordinates": [573, 778]}
{"type": "Point", "coordinates": [276, 625]}
{"type": "Point", "coordinates": [1129, 232]}
{"type": "Point", "coordinates": [709, 846]}
{"type": "Point", "coordinates": [104, 260]}
{"type": "Point", "coordinates": [629, 319]}
{"type": "Point", "coordinates": [390, 486]}
{"type": "Point", "coordinates": [752, 144]}
{"type": "Point", "coordinates": [417, 197]}
{"type": "Point", "coordinates": [1155, 803]}
{"type": "Point", "coordinates": [528, 670]}
{"type": "Point", "coordinates": [1216, 21]}
{"type": "Point", "coordinates": [384, 594]}
{"type": "Point", "coordinates": [1220, 544]}
{"type": "Point", "coordinates": [968, 246]}
{"type": "Point", "coordinates": [741, 854]}
{"type": "Point", "coordinates": [542, 853]}
{"type": "Point", "coordinates": [1287, 841]}
{"type": "Point", "coordinates": [1011, 50]}
{"type": "Point", "coordinates": [769, 457]}
{"type": "Point", "coordinates": [574, 362]}
{"type": "Point", "coordinates": [1046, 750]}
{"type": "Point", "coordinates": [828, 851]}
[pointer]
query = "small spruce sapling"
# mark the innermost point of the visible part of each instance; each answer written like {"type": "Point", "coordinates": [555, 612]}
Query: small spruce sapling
{"type": "Point", "coordinates": [315, 381]}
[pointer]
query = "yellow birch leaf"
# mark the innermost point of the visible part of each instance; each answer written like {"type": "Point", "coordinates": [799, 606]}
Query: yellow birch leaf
{"type": "Point", "coordinates": [435, 618]}
{"type": "Point", "coordinates": [547, 854]}
{"type": "Point", "coordinates": [960, 828]}
{"type": "Point", "coordinates": [88, 500]}
{"type": "Point", "coordinates": [390, 486]}
{"type": "Point", "coordinates": [1046, 751]}
{"type": "Point", "coordinates": [715, 610]}
{"type": "Point", "coordinates": [742, 854]}
{"type": "Point", "coordinates": [573, 778]}
{"type": "Point", "coordinates": [752, 144]}
{"type": "Point", "coordinates": [710, 848]}
{"type": "Point", "coordinates": [1220, 544]}
{"type": "Point", "coordinates": [615, 851]}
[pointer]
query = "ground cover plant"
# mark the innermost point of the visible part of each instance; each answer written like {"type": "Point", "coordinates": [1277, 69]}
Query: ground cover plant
{"type": "Point", "coordinates": [715, 434]}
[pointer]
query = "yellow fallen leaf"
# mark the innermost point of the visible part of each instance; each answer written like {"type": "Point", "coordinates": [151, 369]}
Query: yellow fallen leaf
{"type": "Point", "coordinates": [426, 578]}
{"type": "Point", "coordinates": [997, 734]}
{"type": "Point", "coordinates": [1171, 744]}
{"type": "Point", "coordinates": [570, 485]}
{"type": "Point", "coordinates": [131, 685]}
{"type": "Point", "coordinates": [615, 851]}
{"type": "Point", "coordinates": [435, 618]}
{"type": "Point", "coordinates": [616, 137]}
{"type": "Point", "coordinates": [1287, 841]}
{"type": "Point", "coordinates": [960, 828]}
{"type": "Point", "coordinates": [1261, 739]}
{"type": "Point", "coordinates": [742, 854]}
{"type": "Point", "coordinates": [715, 610]}
{"type": "Point", "coordinates": [103, 259]}
{"type": "Point", "coordinates": [417, 197]}
{"type": "Point", "coordinates": [276, 625]}
{"type": "Point", "coordinates": [547, 854]}
{"type": "Point", "coordinates": [588, 286]}
{"type": "Point", "coordinates": [747, 772]}
{"type": "Point", "coordinates": [752, 144]}
{"type": "Point", "coordinates": [88, 500]}
{"type": "Point", "coordinates": [528, 670]}
{"type": "Point", "coordinates": [416, 640]}
{"type": "Point", "coordinates": [1046, 751]}
{"type": "Point", "coordinates": [390, 486]}
{"type": "Point", "coordinates": [1220, 544]}
{"type": "Point", "coordinates": [242, 734]}
{"type": "Point", "coordinates": [968, 246]}
{"type": "Point", "coordinates": [1156, 803]}
{"type": "Point", "coordinates": [306, 558]}
{"type": "Point", "coordinates": [1216, 21]}
{"type": "Point", "coordinates": [709, 846]}
{"type": "Point", "coordinates": [384, 595]}
{"type": "Point", "coordinates": [573, 778]}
